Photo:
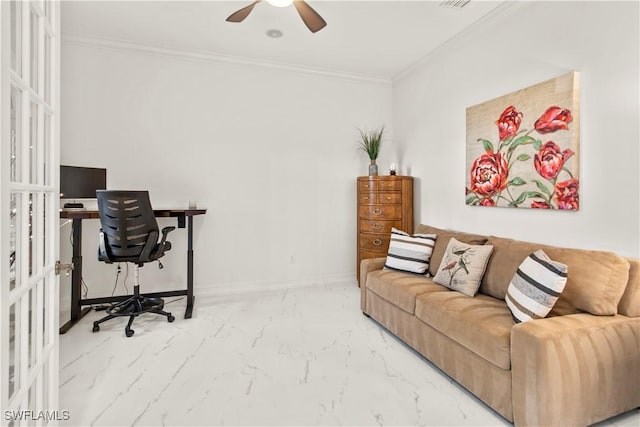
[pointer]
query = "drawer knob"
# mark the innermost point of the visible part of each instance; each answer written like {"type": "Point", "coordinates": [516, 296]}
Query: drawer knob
{"type": "Point", "coordinates": [377, 211]}
{"type": "Point", "coordinates": [388, 197]}
{"type": "Point", "coordinates": [377, 242]}
{"type": "Point", "coordinates": [377, 226]}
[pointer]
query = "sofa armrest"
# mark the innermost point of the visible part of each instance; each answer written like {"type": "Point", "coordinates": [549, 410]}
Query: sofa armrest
{"type": "Point", "coordinates": [574, 370]}
{"type": "Point", "coordinates": [366, 266]}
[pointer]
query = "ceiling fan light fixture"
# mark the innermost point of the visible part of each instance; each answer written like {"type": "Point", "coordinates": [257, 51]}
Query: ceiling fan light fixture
{"type": "Point", "coordinates": [310, 17]}
{"type": "Point", "coordinates": [280, 3]}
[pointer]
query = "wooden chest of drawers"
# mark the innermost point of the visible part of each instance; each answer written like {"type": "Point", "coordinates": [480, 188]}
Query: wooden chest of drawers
{"type": "Point", "coordinates": [383, 202]}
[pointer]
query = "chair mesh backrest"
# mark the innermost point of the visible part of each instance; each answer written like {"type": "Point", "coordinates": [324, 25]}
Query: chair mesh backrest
{"type": "Point", "coordinates": [127, 220]}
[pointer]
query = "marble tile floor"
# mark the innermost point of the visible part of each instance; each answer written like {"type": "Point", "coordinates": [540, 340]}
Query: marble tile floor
{"type": "Point", "coordinates": [297, 356]}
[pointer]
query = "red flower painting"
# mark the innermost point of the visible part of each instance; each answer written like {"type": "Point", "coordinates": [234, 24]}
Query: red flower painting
{"type": "Point", "coordinates": [509, 123]}
{"type": "Point", "coordinates": [494, 179]}
{"type": "Point", "coordinates": [489, 174]}
{"type": "Point", "coordinates": [566, 194]}
{"type": "Point", "coordinates": [550, 159]}
{"type": "Point", "coordinates": [555, 118]}
{"type": "Point", "coordinates": [536, 204]}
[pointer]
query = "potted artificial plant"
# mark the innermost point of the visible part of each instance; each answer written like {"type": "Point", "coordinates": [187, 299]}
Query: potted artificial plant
{"type": "Point", "coordinates": [370, 142]}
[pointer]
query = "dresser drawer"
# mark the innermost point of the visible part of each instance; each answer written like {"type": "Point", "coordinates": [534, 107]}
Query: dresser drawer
{"type": "Point", "coordinates": [374, 242]}
{"type": "Point", "coordinates": [381, 226]}
{"type": "Point", "coordinates": [380, 211]}
{"type": "Point", "coordinates": [379, 185]}
{"type": "Point", "coordinates": [389, 198]}
{"type": "Point", "coordinates": [372, 254]}
{"type": "Point", "coordinates": [367, 198]}
{"type": "Point", "coordinates": [371, 198]}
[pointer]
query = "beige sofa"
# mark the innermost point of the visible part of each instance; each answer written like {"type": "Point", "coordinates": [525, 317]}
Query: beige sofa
{"type": "Point", "coordinates": [578, 366]}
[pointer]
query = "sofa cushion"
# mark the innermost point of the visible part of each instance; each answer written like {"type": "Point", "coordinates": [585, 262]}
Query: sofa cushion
{"type": "Point", "coordinates": [595, 283]}
{"type": "Point", "coordinates": [535, 287]}
{"type": "Point", "coordinates": [409, 253]}
{"type": "Point", "coordinates": [443, 240]}
{"type": "Point", "coordinates": [481, 324]}
{"type": "Point", "coordinates": [462, 266]}
{"type": "Point", "coordinates": [401, 289]}
{"type": "Point", "coordinates": [630, 302]}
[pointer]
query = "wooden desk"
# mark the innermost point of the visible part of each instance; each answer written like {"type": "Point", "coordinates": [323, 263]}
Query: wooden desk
{"type": "Point", "coordinates": [185, 219]}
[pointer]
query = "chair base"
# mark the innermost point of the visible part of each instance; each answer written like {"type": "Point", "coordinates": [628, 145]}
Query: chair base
{"type": "Point", "coordinates": [133, 307]}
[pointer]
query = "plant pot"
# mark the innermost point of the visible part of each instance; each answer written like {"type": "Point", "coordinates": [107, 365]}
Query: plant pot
{"type": "Point", "coordinates": [373, 168]}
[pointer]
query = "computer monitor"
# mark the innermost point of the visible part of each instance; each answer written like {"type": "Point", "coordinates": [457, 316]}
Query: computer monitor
{"type": "Point", "coordinates": [81, 183]}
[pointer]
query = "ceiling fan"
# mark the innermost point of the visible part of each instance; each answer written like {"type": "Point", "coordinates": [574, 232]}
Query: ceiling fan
{"type": "Point", "coordinates": [309, 16]}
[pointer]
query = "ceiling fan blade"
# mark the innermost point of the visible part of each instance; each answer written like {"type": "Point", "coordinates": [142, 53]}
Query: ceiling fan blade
{"type": "Point", "coordinates": [239, 15]}
{"type": "Point", "coordinates": [309, 16]}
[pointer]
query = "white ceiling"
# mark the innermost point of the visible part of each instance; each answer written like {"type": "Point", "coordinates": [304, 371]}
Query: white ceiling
{"type": "Point", "coordinates": [376, 39]}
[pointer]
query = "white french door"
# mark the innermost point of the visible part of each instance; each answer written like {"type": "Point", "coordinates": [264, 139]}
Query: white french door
{"type": "Point", "coordinates": [29, 235]}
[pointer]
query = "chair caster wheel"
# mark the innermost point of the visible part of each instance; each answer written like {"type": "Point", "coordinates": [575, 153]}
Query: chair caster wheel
{"type": "Point", "coordinates": [170, 318]}
{"type": "Point", "coordinates": [96, 328]}
{"type": "Point", "coordinates": [129, 332]}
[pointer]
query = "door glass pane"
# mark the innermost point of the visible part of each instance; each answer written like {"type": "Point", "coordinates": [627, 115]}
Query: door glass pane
{"type": "Point", "coordinates": [14, 349]}
{"type": "Point", "coordinates": [45, 385]}
{"type": "Point", "coordinates": [35, 40]}
{"type": "Point", "coordinates": [47, 10]}
{"type": "Point", "coordinates": [45, 312]}
{"type": "Point", "coordinates": [14, 134]}
{"type": "Point", "coordinates": [47, 67]}
{"type": "Point", "coordinates": [33, 143]}
{"type": "Point", "coordinates": [32, 334]}
{"type": "Point", "coordinates": [46, 161]}
{"type": "Point", "coordinates": [14, 239]}
{"type": "Point", "coordinates": [45, 230]}
{"type": "Point", "coordinates": [39, 319]}
{"type": "Point", "coordinates": [36, 232]}
{"type": "Point", "coordinates": [16, 36]}
{"type": "Point", "coordinates": [31, 421]}
{"type": "Point", "coordinates": [30, 231]}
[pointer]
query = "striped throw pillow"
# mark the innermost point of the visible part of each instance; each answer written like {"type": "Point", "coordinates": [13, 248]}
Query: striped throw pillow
{"type": "Point", "coordinates": [535, 287]}
{"type": "Point", "coordinates": [409, 253]}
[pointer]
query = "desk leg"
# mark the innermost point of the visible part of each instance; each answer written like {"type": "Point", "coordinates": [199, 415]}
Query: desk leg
{"type": "Point", "coordinates": [77, 312]}
{"type": "Point", "coordinates": [190, 297]}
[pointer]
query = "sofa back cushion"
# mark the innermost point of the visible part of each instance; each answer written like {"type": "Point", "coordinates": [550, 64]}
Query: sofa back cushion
{"type": "Point", "coordinates": [596, 280]}
{"type": "Point", "coordinates": [630, 302]}
{"type": "Point", "coordinates": [443, 240]}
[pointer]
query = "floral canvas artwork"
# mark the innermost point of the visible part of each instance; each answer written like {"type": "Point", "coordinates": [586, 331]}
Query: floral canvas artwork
{"type": "Point", "coordinates": [522, 148]}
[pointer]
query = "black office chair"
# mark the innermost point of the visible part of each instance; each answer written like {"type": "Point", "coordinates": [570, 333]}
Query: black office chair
{"type": "Point", "coordinates": [129, 233]}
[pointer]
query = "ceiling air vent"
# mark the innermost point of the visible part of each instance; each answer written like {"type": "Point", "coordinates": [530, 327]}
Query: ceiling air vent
{"type": "Point", "coordinates": [455, 4]}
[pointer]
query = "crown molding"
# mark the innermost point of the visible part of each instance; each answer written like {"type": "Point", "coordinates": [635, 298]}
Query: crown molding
{"type": "Point", "coordinates": [103, 43]}
{"type": "Point", "coordinates": [499, 13]}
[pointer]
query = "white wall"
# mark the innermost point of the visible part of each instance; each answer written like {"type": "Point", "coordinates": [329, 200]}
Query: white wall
{"type": "Point", "coordinates": [534, 43]}
{"type": "Point", "coordinates": [271, 153]}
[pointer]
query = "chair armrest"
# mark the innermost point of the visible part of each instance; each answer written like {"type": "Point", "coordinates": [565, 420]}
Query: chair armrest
{"type": "Point", "coordinates": [103, 253]}
{"type": "Point", "coordinates": [164, 245]}
{"type": "Point", "coordinates": [165, 232]}
{"type": "Point", "coordinates": [366, 266]}
{"type": "Point", "coordinates": [574, 370]}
